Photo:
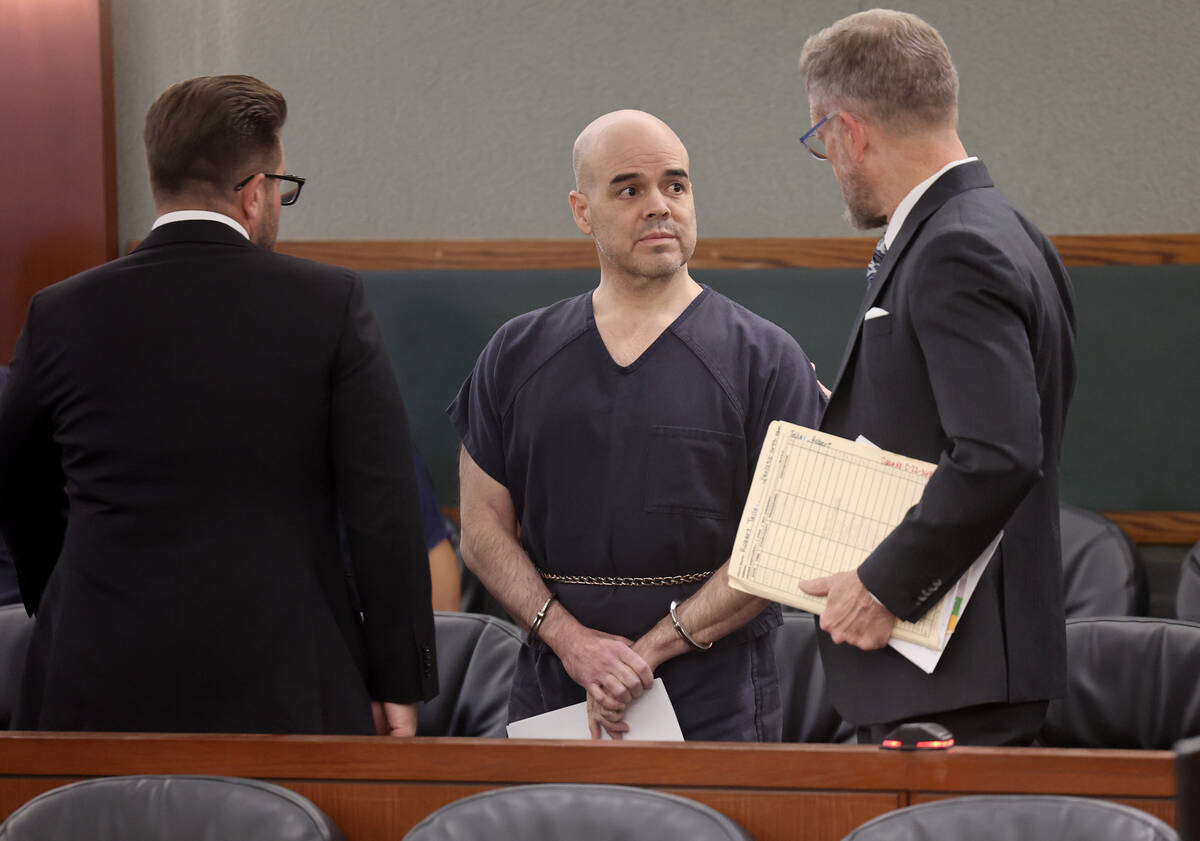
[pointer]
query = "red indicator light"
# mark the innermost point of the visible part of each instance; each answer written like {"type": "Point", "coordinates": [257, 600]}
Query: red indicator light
{"type": "Point", "coordinates": [891, 743]}
{"type": "Point", "coordinates": [938, 745]}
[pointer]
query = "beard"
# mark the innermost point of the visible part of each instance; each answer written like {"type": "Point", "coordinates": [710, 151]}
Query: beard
{"type": "Point", "coordinates": [651, 267]}
{"type": "Point", "coordinates": [265, 236]}
{"type": "Point", "coordinates": [859, 203]}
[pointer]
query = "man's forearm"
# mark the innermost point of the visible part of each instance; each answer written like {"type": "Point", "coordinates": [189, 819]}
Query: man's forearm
{"type": "Point", "coordinates": [500, 562]}
{"type": "Point", "coordinates": [714, 611]}
{"type": "Point", "coordinates": [496, 557]}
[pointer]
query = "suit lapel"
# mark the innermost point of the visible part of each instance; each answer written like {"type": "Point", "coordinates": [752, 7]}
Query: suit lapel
{"type": "Point", "coordinates": [963, 177]}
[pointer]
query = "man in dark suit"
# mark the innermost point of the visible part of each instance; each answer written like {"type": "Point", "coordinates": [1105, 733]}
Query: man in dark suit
{"type": "Point", "coordinates": [208, 408]}
{"type": "Point", "coordinates": [962, 355]}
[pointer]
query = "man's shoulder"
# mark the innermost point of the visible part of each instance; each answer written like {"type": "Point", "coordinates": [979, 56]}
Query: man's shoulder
{"type": "Point", "coordinates": [529, 338]}
{"type": "Point", "coordinates": [291, 280]}
{"type": "Point", "coordinates": [984, 222]}
{"type": "Point", "coordinates": [722, 322]}
{"type": "Point", "coordinates": [64, 289]}
{"type": "Point", "coordinates": [286, 264]}
{"type": "Point", "coordinates": [970, 203]}
{"type": "Point", "coordinates": [526, 343]}
{"type": "Point", "coordinates": [746, 353]}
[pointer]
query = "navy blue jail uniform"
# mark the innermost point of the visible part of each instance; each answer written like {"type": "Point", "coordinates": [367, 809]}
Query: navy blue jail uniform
{"type": "Point", "coordinates": [638, 470]}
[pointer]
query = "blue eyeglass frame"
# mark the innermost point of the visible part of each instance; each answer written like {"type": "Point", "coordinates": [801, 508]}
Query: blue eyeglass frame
{"type": "Point", "coordinates": [804, 137]}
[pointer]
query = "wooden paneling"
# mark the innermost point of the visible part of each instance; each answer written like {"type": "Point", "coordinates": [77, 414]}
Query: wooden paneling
{"type": "Point", "coordinates": [1129, 249]}
{"type": "Point", "coordinates": [1175, 527]}
{"type": "Point", "coordinates": [799, 816]}
{"type": "Point", "coordinates": [59, 193]}
{"type": "Point", "coordinates": [818, 253]}
{"type": "Point", "coordinates": [368, 811]}
{"type": "Point", "coordinates": [377, 789]}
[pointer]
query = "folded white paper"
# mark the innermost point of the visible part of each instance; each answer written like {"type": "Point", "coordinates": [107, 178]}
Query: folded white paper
{"type": "Point", "coordinates": [651, 718]}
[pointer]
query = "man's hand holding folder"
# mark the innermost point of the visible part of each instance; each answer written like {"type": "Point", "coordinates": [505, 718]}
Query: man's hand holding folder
{"type": "Point", "coordinates": [851, 613]}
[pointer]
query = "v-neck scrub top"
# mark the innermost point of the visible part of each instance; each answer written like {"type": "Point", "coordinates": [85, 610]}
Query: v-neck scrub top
{"type": "Point", "coordinates": [637, 470]}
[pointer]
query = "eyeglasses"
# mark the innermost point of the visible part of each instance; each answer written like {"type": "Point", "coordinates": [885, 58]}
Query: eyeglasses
{"type": "Point", "coordinates": [814, 144]}
{"type": "Point", "coordinates": [289, 190]}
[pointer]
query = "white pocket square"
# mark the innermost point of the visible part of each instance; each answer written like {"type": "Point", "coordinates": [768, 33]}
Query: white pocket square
{"type": "Point", "coordinates": [875, 312]}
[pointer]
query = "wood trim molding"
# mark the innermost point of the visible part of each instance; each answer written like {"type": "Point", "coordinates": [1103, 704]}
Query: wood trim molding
{"type": "Point", "coordinates": [1170, 527]}
{"type": "Point", "coordinates": [781, 766]}
{"type": "Point", "coordinates": [818, 253]}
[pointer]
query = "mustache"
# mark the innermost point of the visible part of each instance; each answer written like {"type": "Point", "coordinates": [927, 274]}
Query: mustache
{"type": "Point", "coordinates": [659, 228]}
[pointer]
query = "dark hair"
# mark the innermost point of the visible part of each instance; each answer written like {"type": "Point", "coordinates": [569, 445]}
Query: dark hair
{"type": "Point", "coordinates": [892, 65]}
{"type": "Point", "coordinates": [203, 135]}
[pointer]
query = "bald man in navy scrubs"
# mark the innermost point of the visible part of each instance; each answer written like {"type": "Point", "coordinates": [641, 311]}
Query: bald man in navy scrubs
{"type": "Point", "coordinates": [619, 430]}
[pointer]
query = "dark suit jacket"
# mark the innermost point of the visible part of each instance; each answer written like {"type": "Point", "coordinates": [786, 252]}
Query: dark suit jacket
{"type": "Point", "coordinates": [972, 369]}
{"type": "Point", "coordinates": [9, 593]}
{"type": "Point", "coordinates": [209, 407]}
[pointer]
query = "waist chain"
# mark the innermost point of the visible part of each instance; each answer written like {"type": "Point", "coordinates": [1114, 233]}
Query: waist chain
{"type": "Point", "coordinates": [626, 580]}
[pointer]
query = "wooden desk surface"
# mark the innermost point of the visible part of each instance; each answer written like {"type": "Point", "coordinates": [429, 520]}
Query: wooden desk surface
{"type": "Point", "coordinates": [376, 789]}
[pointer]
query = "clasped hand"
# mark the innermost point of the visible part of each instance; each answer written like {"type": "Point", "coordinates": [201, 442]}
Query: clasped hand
{"type": "Point", "coordinates": [851, 614]}
{"type": "Point", "coordinates": [612, 673]}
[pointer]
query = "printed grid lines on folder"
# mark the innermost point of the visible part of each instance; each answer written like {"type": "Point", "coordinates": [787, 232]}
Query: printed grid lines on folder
{"type": "Point", "coordinates": [820, 505]}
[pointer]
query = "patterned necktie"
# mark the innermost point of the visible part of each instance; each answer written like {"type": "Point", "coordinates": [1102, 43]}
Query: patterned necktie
{"type": "Point", "coordinates": [876, 259]}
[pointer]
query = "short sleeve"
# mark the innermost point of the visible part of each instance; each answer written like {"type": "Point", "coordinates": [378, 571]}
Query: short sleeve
{"type": "Point", "coordinates": [476, 415]}
{"type": "Point", "coordinates": [787, 391]}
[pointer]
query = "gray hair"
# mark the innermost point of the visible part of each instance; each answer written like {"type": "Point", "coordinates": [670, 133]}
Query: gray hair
{"type": "Point", "coordinates": [891, 66]}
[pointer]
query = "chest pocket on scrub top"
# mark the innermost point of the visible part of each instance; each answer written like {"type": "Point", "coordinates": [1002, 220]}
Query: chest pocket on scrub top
{"type": "Point", "coordinates": [694, 471]}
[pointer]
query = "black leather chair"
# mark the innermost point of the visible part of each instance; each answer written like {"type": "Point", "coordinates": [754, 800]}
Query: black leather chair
{"type": "Point", "coordinates": [170, 808]}
{"type": "Point", "coordinates": [1187, 787]}
{"type": "Point", "coordinates": [998, 817]}
{"type": "Point", "coordinates": [476, 658]}
{"type": "Point", "coordinates": [15, 630]}
{"type": "Point", "coordinates": [553, 811]}
{"type": "Point", "coordinates": [1131, 683]}
{"type": "Point", "coordinates": [1187, 597]}
{"type": "Point", "coordinates": [1102, 573]}
{"type": "Point", "coordinates": [808, 714]}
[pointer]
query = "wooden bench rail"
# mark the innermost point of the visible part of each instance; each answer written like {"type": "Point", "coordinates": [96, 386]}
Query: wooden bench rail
{"type": "Point", "coordinates": [377, 789]}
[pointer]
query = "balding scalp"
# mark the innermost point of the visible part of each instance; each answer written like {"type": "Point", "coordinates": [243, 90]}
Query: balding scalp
{"type": "Point", "coordinates": [589, 139]}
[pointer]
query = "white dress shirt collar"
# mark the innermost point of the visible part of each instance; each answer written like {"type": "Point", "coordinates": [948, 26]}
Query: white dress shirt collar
{"type": "Point", "coordinates": [199, 216]}
{"type": "Point", "coordinates": [910, 201]}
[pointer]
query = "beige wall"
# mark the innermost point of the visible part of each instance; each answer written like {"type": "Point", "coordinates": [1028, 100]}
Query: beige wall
{"type": "Point", "coordinates": [452, 119]}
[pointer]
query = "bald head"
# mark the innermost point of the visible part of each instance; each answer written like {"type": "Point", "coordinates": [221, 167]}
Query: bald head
{"type": "Point", "coordinates": [617, 127]}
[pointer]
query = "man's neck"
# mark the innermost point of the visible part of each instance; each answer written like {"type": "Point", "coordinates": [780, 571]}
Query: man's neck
{"type": "Point", "coordinates": [231, 210]}
{"type": "Point", "coordinates": [912, 161]}
{"type": "Point", "coordinates": [626, 296]}
{"type": "Point", "coordinates": [632, 312]}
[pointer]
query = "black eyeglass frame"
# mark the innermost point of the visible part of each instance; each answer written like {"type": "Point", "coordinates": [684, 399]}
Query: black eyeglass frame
{"type": "Point", "coordinates": [294, 179]}
{"type": "Point", "coordinates": [804, 137]}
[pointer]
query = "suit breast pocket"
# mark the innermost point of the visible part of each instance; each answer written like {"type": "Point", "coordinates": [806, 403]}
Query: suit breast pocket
{"type": "Point", "coordinates": [700, 472]}
{"type": "Point", "coordinates": [879, 326]}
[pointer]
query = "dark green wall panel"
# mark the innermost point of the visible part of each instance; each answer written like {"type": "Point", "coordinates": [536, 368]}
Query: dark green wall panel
{"type": "Point", "coordinates": [1130, 434]}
